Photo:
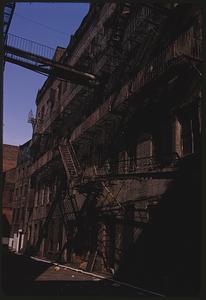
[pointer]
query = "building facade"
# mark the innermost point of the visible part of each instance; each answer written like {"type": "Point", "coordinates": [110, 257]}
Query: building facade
{"type": "Point", "coordinates": [110, 163]}
{"type": "Point", "coordinates": [21, 206]}
{"type": "Point", "coordinates": [10, 153]}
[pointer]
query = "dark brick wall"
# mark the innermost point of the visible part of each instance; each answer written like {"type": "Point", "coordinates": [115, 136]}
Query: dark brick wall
{"type": "Point", "coordinates": [10, 153]}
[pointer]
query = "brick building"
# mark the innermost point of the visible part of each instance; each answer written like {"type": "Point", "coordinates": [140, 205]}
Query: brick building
{"type": "Point", "coordinates": [10, 153]}
{"type": "Point", "coordinates": [21, 203]}
{"type": "Point", "coordinates": [114, 169]}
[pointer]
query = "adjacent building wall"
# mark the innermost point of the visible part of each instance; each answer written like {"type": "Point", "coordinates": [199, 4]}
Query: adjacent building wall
{"type": "Point", "coordinates": [10, 153]}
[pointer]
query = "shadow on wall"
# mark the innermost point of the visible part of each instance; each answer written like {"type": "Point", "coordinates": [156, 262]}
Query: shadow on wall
{"type": "Point", "coordinates": [166, 257]}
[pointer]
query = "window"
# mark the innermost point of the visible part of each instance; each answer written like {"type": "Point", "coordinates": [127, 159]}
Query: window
{"type": "Point", "coordinates": [35, 233]}
{"type": "Point", "coordinates": [17, 191]}
{"type": "Point", "coordinates": [186, 136]}
{"type": "Point", "coordinates": [23, 214]}
{"type": "Point", "coordinates": [59, 91]}
{"type": "Point", "coordinates": [64, 86]}
{"type": "Point", "coordinates": [20, 191]}
{"type": "Point", "coordinates": [25, 190]}
{"type": "Point", "coordinates": [29, 232]}
{"type": "Point", "coordinates": [17, 214]}
{"type": "Point", "coordinates": [42, 196]}
{"type": "Point", "coordinates": [197, 32]}
{"type": "Point", "coordinates": [143, 153]}
{"type": "Point", "coordinates": [47, 195]}
{"type": "Point", "coordinates": [36, 199]}
{"type": "Point", "coordinates": [123, 162]}
{"type": "Point", "coordinates": [52, 97]}
{"type": "Point", "coordinates": [190, 130]}
{"type": "Point", "coordinates": [132, 158]}
{"type": "Point", "coordinates": [14, 215]}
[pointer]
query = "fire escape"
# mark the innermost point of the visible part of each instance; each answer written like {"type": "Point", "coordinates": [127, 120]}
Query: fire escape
{"type": "Point", "coordinates": [98, 184]}
{"type": "Point", "coordinates": [41, 58]}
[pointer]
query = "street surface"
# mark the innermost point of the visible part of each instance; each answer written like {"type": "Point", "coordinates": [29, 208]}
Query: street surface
{"type": "Point", "coordinates": [27, 277]}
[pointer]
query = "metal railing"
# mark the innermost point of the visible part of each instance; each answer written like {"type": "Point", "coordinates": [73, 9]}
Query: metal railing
{"type": "Point", "coordinates": [28, 46]}
{"type": "Point", "coordinates": [185, 46]}
{"type": "Point", "coordinates": [172, 55]}
{"type": "Point", "coordinates": [134, 166]}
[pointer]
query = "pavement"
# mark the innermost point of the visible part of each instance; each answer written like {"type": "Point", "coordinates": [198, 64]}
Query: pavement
{"type": "Point", "coordinates": [25, 276]}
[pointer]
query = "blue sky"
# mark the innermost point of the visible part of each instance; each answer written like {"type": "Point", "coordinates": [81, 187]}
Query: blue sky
{"type": "Point", "coordinates": [60, 20]}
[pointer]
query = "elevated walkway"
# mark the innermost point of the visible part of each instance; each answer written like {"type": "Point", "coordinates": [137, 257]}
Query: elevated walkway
{"type": "Point", "coordinates": [40, 58]}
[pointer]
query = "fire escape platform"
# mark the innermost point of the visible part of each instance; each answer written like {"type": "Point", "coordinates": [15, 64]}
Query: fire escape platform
{"type": "Point", "coordinates": [166, 173]}
{"type": "Point", "coordinates": [128, 92]}
{"type": "Point", "coordinates": [161, 173]}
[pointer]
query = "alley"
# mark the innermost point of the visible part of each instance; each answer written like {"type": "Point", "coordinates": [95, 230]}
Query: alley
{"type": "Point", "coordinates": [26, 276]}
{"type": "Point", "coordinates": [104, 175]}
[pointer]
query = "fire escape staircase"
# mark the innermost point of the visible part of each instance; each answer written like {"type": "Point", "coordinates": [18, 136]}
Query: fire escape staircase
{"type": "Point", "coordinates": [73, 172]}
{"type": "Point", "coordinates": [70, 161]}
{"type": "Point", "coordinates": [74, 177]}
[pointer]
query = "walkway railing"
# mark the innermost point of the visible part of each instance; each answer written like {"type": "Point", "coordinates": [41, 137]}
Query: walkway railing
{"type": "Point", "coordinates": [30, 46]}
{"type": "Point", "coordinates": [134, 166]}
{"type": "Point", "coordinates": [185, 46]}
{"type": "Point", "coordinates": [43, 59]}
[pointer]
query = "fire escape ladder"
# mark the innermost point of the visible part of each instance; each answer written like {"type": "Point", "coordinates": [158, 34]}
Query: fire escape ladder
{"type": "Point", "coordinates": [74, 175]}
{"type": "Point", "coordinates": [70, 161]}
